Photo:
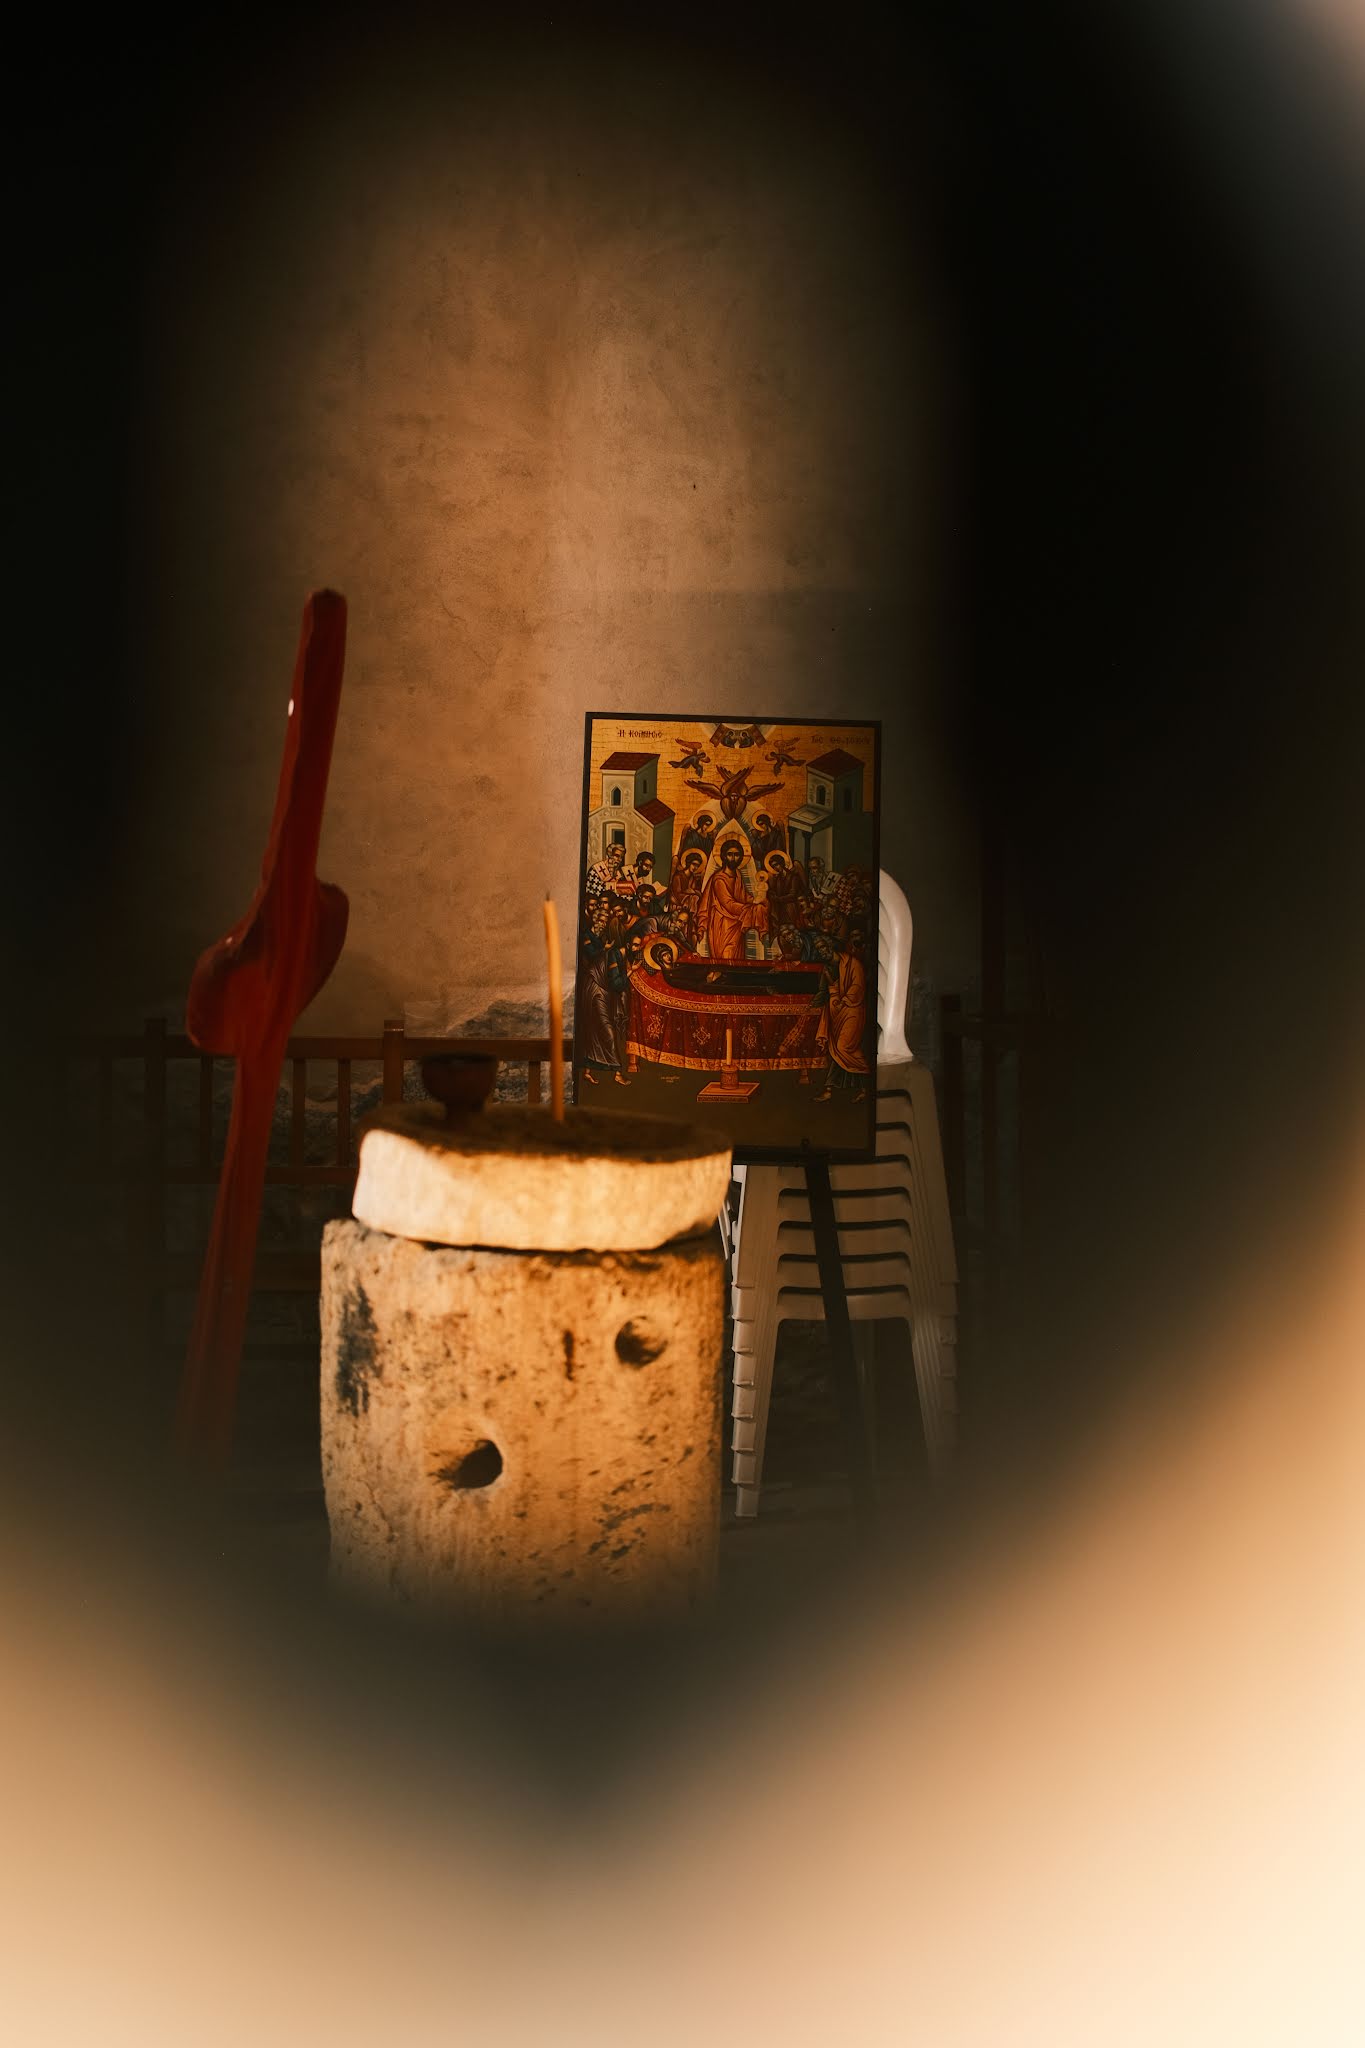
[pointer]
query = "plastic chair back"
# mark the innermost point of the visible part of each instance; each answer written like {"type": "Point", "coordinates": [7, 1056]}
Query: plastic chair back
{"type": "Point", "coordinates": [895, 939]}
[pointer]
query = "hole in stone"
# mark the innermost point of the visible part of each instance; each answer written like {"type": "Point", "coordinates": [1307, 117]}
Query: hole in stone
{"type": "Point", "coordinates": [479, 1467]}
{"type": "Point", "coordinates": [638, 1341]}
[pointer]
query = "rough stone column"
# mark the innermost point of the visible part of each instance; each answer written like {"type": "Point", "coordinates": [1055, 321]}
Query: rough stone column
{"type": "Point", "coordinates": [524, 1431]}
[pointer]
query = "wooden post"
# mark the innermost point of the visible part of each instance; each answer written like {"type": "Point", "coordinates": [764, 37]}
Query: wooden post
{"type": "Point", "coordinates": [298, 1111]}
{"type": "Point", "coordinates": [343, 1112]}
{"type": "Point", "coordinates": [393, 1059]}
{"type": "Point", "coordinates": [555, 970]}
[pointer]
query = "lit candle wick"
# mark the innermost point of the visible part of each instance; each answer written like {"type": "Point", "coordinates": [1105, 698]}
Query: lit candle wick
{"type": "Point", "coordinates": [556, 975]}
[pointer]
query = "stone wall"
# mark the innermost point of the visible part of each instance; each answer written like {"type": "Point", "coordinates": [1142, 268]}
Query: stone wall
{"type": "Point", "coordinates": [595, 382]}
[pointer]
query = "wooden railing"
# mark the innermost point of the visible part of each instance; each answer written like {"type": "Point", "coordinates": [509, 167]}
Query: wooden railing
{"type": "Point", "coordinates": [148, 1172]}
{"type": "Point", "coordinates": [1033, 1041]}
{"type": "Point", "coordinates": [155, 1047]}
{"type": "Point", "coordinates": [996, 1129]}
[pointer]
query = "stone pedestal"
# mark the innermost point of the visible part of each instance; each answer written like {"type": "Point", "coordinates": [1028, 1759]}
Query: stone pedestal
{"type": "Point", "coordinates": [522, 1431]}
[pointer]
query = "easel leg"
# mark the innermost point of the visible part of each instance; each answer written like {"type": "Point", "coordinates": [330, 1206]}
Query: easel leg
{"type": "Point", "coordinates": [840, 1332]}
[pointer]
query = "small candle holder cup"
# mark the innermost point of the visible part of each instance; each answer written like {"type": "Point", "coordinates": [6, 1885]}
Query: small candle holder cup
{"type": "Point", "coordinates": [462, 1082]}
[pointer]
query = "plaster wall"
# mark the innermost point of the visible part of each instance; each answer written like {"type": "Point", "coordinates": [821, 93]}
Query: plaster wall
{"type": "Point", "coordinates": [605, 387]}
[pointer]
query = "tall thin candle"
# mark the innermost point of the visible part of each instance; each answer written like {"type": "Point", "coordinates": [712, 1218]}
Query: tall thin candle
{"type": "Point", "coordinates": [556, 975]}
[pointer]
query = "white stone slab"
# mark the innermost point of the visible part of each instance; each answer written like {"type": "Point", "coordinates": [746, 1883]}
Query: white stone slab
{"type": "Point", "coordinates": [512, 1177]}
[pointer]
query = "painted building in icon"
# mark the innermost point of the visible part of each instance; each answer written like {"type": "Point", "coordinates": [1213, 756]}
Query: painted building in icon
{"type": "Point", "coordinates": [630, 812]}
{"type": "Point", "coordinates": [832, 821]}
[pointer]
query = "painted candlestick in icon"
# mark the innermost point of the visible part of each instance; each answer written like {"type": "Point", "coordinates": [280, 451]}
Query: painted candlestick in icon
{"type": "Point", "coordinates": [729, 1088]}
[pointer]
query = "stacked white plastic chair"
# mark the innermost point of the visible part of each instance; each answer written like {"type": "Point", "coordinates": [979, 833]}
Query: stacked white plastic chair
{"type": "Point", "coordinates": [895, 1236]}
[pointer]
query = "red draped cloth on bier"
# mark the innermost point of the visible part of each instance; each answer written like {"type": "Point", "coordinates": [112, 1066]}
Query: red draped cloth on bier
{"type": "Point", "coordinates": [686, 1027]}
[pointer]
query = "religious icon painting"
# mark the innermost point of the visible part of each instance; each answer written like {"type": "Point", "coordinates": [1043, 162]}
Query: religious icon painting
{"type": "Point", "coordinates": [727, 928]}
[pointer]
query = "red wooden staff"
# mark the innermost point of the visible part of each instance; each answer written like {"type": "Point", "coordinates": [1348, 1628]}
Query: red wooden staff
{"type": "Point", "coordinates": [245, 996]}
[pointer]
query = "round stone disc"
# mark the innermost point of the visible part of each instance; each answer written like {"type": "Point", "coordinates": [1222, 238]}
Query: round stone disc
{"type": "Point", "coordinates": [514, 1177]}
